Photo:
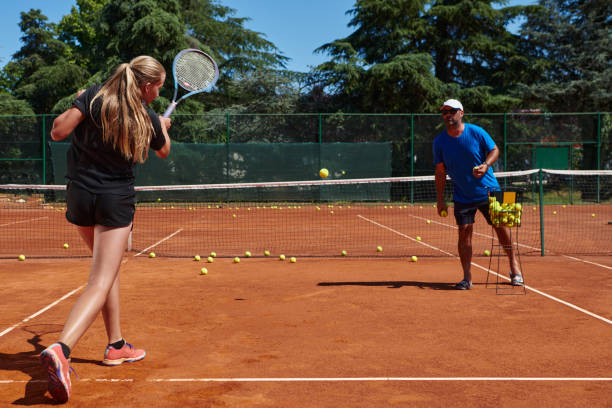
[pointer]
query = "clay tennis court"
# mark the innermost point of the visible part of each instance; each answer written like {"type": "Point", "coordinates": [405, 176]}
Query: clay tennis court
{"type": "Point", "coordinates": [324, 331]}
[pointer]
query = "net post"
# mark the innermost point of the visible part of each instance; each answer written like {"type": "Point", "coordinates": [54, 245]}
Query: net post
{"type": "Point", "coordinates": [44, 156]}
{"type": "Point", "coordinates": [541, 183]}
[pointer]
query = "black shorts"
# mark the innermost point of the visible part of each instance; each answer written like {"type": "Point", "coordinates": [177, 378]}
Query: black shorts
{"type": "Point", "coordinates": [466, 213]}
{"type": "Point", "coordinates": [87, 209]}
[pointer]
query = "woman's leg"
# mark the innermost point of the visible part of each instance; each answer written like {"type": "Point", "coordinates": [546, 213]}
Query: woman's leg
{"type": "Point", "coordinates": [110, 310]}
{"type": "Point", "coordinates": [108, 247]}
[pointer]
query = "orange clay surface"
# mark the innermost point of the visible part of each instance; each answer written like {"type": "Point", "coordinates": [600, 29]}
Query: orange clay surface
{"type": "Point", "coordinates": [320, 333]}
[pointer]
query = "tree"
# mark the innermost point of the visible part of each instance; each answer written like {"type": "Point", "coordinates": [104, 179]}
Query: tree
{"type": "Point", "coordinates": [570, 44]}
{"type": "Point", "coordinates": [40, 71]}
{"type": "Point", "coordinates": [406, 55]}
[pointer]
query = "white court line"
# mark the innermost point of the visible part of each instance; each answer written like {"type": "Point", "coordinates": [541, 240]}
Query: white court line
{"type": "Point", "coordinates": [539, 292]}
{"type": "Point", "coordinates": [22, 221]}
{"type": "Point", "coordinates": [368, 379]}
{"type": "Point", "coordinates": [159, 242]}
{"type": "Point", "coordinates": [519, 244]}
{"type": "Point", "coordinates": [329, 379]}
{"type": "Point", "coordinates": [75, 290]}
{"type": "Point", "coordinates": [589, 262]}
{"type": "Point", "coordinates": [44, 309]}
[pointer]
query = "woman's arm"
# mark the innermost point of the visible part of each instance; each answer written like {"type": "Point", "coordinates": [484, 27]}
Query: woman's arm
{"type": "Point", "coordinates": [65, 123]}
{"type": "Point", "coordinates": [165, 150]}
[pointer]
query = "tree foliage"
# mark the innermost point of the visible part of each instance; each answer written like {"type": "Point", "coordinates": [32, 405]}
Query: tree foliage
{"type": "Point", "coordinates": [570, 43]}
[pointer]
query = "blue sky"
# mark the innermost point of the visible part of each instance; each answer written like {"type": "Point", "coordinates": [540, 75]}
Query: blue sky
{"type": "Point", "coordinates": [296, 27]}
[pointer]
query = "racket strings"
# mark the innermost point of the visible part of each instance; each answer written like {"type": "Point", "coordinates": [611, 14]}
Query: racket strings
{"type": "Point", "coordinates": [195, 71]}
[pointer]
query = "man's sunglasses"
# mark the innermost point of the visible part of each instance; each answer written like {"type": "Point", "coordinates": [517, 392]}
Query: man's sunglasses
{"type": "Point", "coordinates": [451, 111]}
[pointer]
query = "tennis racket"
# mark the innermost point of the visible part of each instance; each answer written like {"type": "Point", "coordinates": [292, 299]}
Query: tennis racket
{"type": "Point", "coordinates": [195, 71]}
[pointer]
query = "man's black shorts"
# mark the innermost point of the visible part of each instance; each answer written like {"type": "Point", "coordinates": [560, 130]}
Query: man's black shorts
{"type": "Point", "coordinates": [87, 209]}
{"type": "Point", "coordinates": [466, 213]}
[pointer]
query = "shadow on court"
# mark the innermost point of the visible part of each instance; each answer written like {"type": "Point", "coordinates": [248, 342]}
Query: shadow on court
{"type": "Point", "coordinates": [28, 362]}
{"type": "Point", "coordinates": [396, 284]}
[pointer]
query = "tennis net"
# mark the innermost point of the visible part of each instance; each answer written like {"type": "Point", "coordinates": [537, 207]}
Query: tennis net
{"type": "Point", "coordinates": [566, 212]}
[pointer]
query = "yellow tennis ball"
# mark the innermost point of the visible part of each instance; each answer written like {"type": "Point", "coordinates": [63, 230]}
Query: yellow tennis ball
{"type": "Point", "coordinates": [267, 253]}
{"type": "Point", "coordinates": [66, 246]}
{"type": "Point", "coordinates": [344, 253]}
{"type": "Point", "coordinates": [554, 212]}
{"type": "Point", "coordinates": [151, 254]}
{"type": "Point", "coordinates": [323, 173]}
{"type": "Point", "coordinates": [428, 221]}
{"type": "Point", "coordinates": [592, 214]}
{"type": "Point", "coordinates": [213, 254]}
{"type": "Point", "coordinates": [443, 213]}
{"type": "Point", "coordinates": [281, 257]}
{"type": "Point", "coordinates": [236, 260]}
{"type": "Point", "coordinates": [418, 238]}
{"type": "Point", "coordinates": [203, 271]}
{"type": "Point", "coordinates": [22, 257]}
{"type": "Point", "coordinates": [487, 252]}
{"type": "Point", "coordinates": [196, 258]}
{"type": "Point", "coordinates": [292, 260]}
{"type": "Point", "coordinates": [247, 254]}
{"type": "Point", "coordinates": [379, 248]}
{"type": "Point", "coordinates": [210, 259]}
{"type": "Point", "coordinates": [414, 258]}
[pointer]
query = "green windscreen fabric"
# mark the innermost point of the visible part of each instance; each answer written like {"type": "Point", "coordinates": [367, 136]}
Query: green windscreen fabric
{"type": "Point", "coordinates": [195, 163]}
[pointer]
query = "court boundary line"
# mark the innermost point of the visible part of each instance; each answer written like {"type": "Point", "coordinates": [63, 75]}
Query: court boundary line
{"type": "Point", "coordinates": [67, 295]}
{"type": "Point", "coordinates": [331, 379]}
{"type": "Point", "coordinates": [22, 221]}
{"type": "Point", "coordinates": [539, 292]}
{"type": "Point", "coordinates": [41, 311]}
{"type": "Point", "coordinates": [519, 244]}
{"type": "Point", "coordinates": [159, 242]}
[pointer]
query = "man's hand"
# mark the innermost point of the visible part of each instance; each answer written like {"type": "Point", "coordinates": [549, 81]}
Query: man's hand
{"type": "Point", "coordinates": [441, 206]}
{"type": "Point", "coordinates": [480, 171]}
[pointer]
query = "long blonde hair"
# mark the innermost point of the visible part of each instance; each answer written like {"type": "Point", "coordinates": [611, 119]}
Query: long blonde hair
{"type": "Point", "coordinates": [125, 122]}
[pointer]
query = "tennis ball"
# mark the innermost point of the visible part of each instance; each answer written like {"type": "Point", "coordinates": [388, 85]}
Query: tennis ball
{"type": "Point", "coordinates": [203, 271]}
{"type": "Point", "coordinates": [592, 214]}
{"type": "Point", "coordinates": [323, 173]}
{"type": "Point", "coordinates": [267, 253]}
{"type": "Point", "coordinates": [151, 254]}
{"type": "Point", "coordinates": [247, 254]}
{"type": "Point", "coordinates": [293, 260]}
{"type": "Point", "coordinates": [343, 172]}
{"type": "Point", "coordinates": [196, 258]}
{"type": "Point", "coordinates": [66, 246]}
{"type": "Point", "coordinates": [418, 238]}
{"type": "Point", "coordinates": [428, 221]}
{"type": "Point", "coordinates": [443, 213]}
{"type": "Point", "coordinates": [22, 257]}
{"type": "Point", "coordinates": [210, 259]}
{"type": "Point", "coordinates": [414, 258]}
{"type": "Point", "coordinates": [475, 168]}
{"type": "Point", "coordinates": [487, 252]}
{"type": "Point", "coordinates": [282, 257]}
{"type": "Point", "coordinates": [344, 253]}
{"type": "Point", "coordinates": [379, 248]}
{"type": "Point", "coordinates": [236, 260]}
{"type": "Point", "coordinates": [554, 212]}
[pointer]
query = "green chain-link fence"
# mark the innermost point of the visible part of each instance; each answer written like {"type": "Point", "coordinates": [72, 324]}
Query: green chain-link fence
{"type": "Point", "coordinates": [258, 147]}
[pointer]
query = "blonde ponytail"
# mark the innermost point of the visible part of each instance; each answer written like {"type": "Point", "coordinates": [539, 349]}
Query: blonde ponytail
{"type": "Point", "coordinates": [125, 122]}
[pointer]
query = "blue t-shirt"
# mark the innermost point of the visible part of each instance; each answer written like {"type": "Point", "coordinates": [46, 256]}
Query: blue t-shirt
{"type": "Point", "coordinates": [460, 155]}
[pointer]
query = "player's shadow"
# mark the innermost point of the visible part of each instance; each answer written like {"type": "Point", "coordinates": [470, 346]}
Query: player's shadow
{"type": "Point", "coordinates": [28, 362]}
{"type": "Point", "coordinates": [396, 284]}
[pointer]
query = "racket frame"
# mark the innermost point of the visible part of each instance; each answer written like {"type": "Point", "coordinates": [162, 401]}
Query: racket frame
{"type": "Point", "coordinates": [175, 102]}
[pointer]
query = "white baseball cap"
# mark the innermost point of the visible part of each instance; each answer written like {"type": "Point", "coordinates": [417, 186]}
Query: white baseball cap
{"type": "Point", "coordinates": [453, 103]}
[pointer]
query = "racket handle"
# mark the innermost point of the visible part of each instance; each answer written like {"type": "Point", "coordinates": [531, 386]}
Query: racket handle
{"type": "Point", "coordinates": [170, 109]}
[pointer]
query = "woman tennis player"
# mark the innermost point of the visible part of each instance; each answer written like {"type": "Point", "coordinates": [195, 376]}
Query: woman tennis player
{"type": "Point", "coordinates": [113, 129]}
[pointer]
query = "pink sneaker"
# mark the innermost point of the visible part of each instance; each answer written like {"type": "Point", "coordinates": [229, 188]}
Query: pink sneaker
{"type": "Point", "coordinates": [58, 371]}
{"type": "Point", "coordinates": [127, 354]}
